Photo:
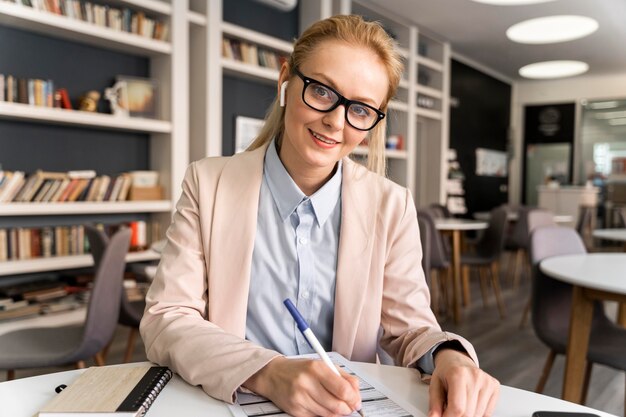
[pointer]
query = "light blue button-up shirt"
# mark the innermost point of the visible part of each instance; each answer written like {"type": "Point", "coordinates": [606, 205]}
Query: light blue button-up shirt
{"type": "Point", "coordinates": [295, 256]}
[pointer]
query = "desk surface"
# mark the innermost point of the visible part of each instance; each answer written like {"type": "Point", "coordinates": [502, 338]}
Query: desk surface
{"type": "Point", "coordinates": [599, 271]}
{"type": "Point", "coordinates": [610, 234]}
{"type": "Point", "coordinates": [24, 397]}
{"type": "Point", "coordinates": [459, 224]}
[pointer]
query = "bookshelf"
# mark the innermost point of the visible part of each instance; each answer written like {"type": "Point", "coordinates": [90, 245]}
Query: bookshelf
{"type": "Point", "coordinates": [165, 139]}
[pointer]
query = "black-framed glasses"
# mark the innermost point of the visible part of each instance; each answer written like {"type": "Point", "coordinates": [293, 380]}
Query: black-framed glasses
{"type": "Point", "coordinates": [323, 98]}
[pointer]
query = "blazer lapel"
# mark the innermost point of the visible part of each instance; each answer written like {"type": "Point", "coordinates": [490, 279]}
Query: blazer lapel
{"type": "Point", "coordinates": [232, 240]}
{"type": "Point", "coordinates": [358, 215]}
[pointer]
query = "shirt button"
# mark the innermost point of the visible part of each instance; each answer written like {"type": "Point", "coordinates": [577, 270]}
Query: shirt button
{"type": "Point", "coordinates": [303, 240]}
{"type": "Point", "coordinates": [305, 295]}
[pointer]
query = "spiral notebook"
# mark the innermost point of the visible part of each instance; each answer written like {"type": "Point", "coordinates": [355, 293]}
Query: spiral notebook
{"type": "Point", "coordinates": [120, 391]}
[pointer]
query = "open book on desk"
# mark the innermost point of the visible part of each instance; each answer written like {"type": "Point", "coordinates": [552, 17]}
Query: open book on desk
{"type": "Point", "coordinates": [117, 391]}
{"type": "Point", "coordinates": [376, 399]}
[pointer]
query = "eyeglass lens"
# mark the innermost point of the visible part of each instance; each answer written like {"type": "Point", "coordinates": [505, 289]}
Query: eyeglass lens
{"type": "Point", "coordinates": [322, 98]}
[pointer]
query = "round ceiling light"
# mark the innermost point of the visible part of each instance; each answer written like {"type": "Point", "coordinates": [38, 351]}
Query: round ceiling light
{"type": "Point", "coordinates": [511, 2]}
{"type": "Point", "coordinates": [551, 29]}
{"type": "Point", "coordinates": [553, 69]}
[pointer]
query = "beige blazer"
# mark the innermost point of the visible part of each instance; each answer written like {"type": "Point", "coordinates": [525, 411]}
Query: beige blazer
{"type": "Point", "coordinates": [195, 317]}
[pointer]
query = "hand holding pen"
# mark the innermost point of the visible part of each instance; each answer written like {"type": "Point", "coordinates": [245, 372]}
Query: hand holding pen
{"type": "Point", "coordinates": [310, 337]}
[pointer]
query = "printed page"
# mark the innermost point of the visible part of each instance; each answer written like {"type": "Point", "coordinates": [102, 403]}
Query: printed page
{"type": "Point", "coordinates": [375, 399]}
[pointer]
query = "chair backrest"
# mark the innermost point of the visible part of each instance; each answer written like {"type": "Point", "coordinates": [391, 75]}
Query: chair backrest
{"type": "Point", "coordinates": [551, 298]}
{"type": "Point", "coordinates": [520, 234]}
{"type": "Point", "coordinates": [426, 240]}
{"type": "Point", "coordinates": [492, 242]}
{"type": "Point", "coordinates": [106, 294]}
{"type": "Point", "coordinates": [440, 211]}
{"type": "Point", "coordinates": [98, 241]}
{"type": "Point", "coordinates": [622, 216]}
{"type": "Point", "coordinates": [539, 218]}
{"type": "Point", "coordinates": [438, 257]}
{"type": "Point", "coordinates": [583, 224]}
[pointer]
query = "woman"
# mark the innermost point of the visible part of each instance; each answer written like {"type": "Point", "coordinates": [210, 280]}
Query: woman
{"type": "Point", "coordinates": [293, 217]}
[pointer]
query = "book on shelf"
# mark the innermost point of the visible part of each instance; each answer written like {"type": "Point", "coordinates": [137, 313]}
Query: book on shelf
{"type": "Point", "coordinates": [21, 312]}
{"type": "Point", "coordinates": [249, 53]}
{"type": "Point", "coordinates": [121, 391]}
{"type": "Point", "coordinates": [122, 20]}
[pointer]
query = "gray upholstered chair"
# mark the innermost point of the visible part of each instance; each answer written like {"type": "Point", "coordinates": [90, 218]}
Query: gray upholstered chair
{"type": "Point", "coordinates": [487, 256]}
{"type": "Point", "coordinates": [63, 345]}
{"type": "Point", "coordinates": [552, 302]}
{"type": "Point", "coordinates": [439, 263]}
{"type": "Point", "coordinates": [536, 218]}
{"type": "Point", "coordinates": [585, 224]}
{"type": "Point", "coordinates": [130, 312]}
{"type": "Point", "coordinates": [517, 242]}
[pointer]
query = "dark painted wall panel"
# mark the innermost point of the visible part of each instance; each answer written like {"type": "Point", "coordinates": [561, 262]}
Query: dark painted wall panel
{"type": "Point", "coordinates": [479, 119]}
{"type": "Point", "coordinates": [262, 18]}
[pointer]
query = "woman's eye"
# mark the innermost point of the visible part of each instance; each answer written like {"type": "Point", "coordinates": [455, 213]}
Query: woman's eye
{"type": "Point", "coordinates": [360, 111]}
{"type": "Point", "coordinates": [322, 92]}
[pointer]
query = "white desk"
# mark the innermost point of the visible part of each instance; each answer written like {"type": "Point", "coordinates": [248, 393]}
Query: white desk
{"type": "Point", "coordinates": [24, 397]}
{"type": "Point", "coordinates": [455, 227]}
{"type": "Point", "coordinates": [595, 276]}
{"type": "Point", "coordinates": [512, 216]}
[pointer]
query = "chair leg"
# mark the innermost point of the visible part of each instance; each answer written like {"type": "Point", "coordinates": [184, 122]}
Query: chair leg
{"type": "Point", "coordinates": [586, 382]}
{"type": "Point", "coordinates": [105, 351]}
{"type": "Point", "coordinates": [80, 364]}
{"type": "Point", "coordinates": [518, 265]}
{"type": "Point", "coordinates": [99, 359]}
{"type": "Point", "coordinates": [10, 374]}
{"type": "Point", "coordinates": [130, 345]}
{"type": "Point", "coordinates": [495, 280]}
{"type": "Point", "coordinates": [483, 285]}
{"type": "Point", "coordinates": [546, 372]}
{"type": "Point", "coordinates": [465, 285]}
{"type": "Point", "coordinates": [524, 319]}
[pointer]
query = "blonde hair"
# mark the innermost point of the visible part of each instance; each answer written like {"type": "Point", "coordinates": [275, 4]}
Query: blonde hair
{"type": "Point", "coordinates": [353, 30]}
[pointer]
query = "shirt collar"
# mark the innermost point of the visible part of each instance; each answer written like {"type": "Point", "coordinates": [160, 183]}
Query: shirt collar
{"type": "Point", "coordinates": [286, 194]}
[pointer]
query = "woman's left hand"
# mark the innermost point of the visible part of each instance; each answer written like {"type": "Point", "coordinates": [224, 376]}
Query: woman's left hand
{"type": "Point", "coordinates": [459, 388]}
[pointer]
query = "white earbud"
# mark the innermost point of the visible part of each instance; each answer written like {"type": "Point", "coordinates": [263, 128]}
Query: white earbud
{"type": "Point", "coordinates": [283, 87]}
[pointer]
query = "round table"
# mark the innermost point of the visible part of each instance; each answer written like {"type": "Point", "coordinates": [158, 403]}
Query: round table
{"type": "Point", "coordinates": [595, 276]}
{"type": "Point", "coordinates": [455, 227]}
{"type": "Point", "coordinates": [611, 234]}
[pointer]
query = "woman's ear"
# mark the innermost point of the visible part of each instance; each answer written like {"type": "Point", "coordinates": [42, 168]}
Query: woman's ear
{"type": "Point", "coordinates": [283, 87]}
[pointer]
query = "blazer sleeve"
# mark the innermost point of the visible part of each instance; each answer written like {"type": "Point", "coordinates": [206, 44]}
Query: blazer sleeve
{"type": "Point", "coordinates": [409, 327]}
{"type": "Point", "coordinates": [175, 327]}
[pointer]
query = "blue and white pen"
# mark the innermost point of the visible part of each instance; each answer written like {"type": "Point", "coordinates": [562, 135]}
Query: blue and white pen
{"type": "Point", "coordinates": [306, 331]}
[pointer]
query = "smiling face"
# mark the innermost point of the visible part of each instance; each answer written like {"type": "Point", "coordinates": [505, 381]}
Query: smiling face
{"type": "Point", "coordinates": [314, 141]}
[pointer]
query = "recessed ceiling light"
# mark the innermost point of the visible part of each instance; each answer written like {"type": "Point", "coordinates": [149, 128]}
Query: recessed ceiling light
{"type": "Point", "coordinates": [553, 69]}
{"type": "Point", "coordinates": [511, 2]}
{"type": "Point", "coordinates": [599, 105]}
{"type": "Point", "coordinates": [552, 29]}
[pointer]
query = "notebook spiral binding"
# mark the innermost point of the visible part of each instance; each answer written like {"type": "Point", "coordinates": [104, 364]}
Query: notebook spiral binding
{"type": "Point", "coordinates": [144, 394]}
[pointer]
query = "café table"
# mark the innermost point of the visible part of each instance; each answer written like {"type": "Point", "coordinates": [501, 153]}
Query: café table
{"type": "Point", "coordinates": [611, 234]}
{"type": "Point", "coordinates": [594, 276]}
{"type": "Point", "coordinates": [24, 397]}
{"type": "Point", "coordinates": [455, 227]}
{"type": "Point", "coordinates": [512, 216]}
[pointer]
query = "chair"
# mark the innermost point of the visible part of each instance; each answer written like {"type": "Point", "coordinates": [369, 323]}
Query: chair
{"type": "Point", "coordinates": [622, 216]}
{"type": "Point", "coordinates": [130, 312]}
{"type": "Point", "coordinates": [486, 259]}
{"type": "Point", "coordinates": [56, 346]}
{"type": "Point", "coordinates": [536, 218]}
{"type": "Point", "coordinates": [585, 224]}
{"type": "Point", "coordinates": [439, 262]}
{"type": "Point", "coordinates": [441, 211]}
{"type": "Point", "coordinates": [517, 242]}
{"type": "Point", "coordinates": [551, 308]}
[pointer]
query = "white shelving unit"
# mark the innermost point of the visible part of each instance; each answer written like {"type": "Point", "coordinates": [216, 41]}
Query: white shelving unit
{"type": "Point", "coordinates": [169, 143]}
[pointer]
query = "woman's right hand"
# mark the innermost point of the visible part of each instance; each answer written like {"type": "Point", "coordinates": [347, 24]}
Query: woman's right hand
{"type": "Point", "coordinates": [303, 387]}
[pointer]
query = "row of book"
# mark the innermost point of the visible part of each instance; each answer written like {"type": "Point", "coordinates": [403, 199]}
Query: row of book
{"type": "Point", "coordinates": [124, 19]}
{"type": "Point", "coordinates": [35, 92]}
{"type": "Point", "coordinates": [251, 54]}
{"type": "Point", "coordinates": [52, 296]}
{"type": "Point", "coordinates": [57, 187]}
{"type": "Point", "coordinates": [21, 243]}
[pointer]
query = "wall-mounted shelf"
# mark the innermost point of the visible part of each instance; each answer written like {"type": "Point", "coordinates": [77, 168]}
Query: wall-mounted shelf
{"type": "Point", "coordinates": [22, 17]}
{"type": "Point", "coordinates": [48, 209]}
{"type": "Point", "coordinates": [28, 113]}
{"type": "Point", "coordinates": [58, 263]}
